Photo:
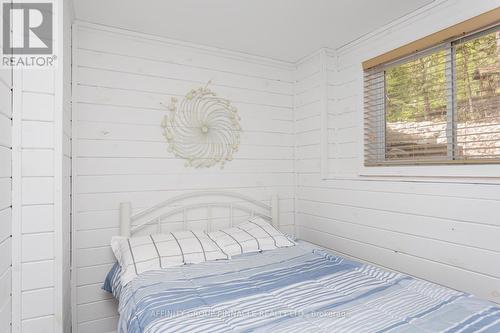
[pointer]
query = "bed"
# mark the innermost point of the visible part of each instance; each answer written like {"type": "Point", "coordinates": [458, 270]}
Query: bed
{"type": "Point", "coordinates": [304, 288]}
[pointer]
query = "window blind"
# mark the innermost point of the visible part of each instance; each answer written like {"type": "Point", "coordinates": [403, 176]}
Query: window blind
{"type": "Point", "coordinates": [440, 105]}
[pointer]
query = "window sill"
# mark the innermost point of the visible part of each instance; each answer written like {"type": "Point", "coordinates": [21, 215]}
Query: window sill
{"type": "Point", "coordinates": [484, 173]}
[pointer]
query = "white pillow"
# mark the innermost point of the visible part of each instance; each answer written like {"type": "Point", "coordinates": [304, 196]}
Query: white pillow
{"type": "Point", "coordinates": [152, 252]}
{"type": "Point", "coordinates": [252, 236]}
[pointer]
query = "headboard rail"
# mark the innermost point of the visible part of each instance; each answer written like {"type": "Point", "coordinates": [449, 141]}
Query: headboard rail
{"type": "Point", "coordinates": [131, 223]}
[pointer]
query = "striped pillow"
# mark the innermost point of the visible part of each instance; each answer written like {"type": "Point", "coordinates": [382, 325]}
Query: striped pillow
{"type": "Point", "coordinates": [137, 255]}
{"type": "Point", "coordinates": [113, 282]}
{"type": "Point", "coordinates": [253, 236]}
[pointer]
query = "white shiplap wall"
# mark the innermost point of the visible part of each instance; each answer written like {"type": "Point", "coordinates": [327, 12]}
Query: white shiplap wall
{"type": "Point", "coordinates": [120, 79]}
{"type": "Point", "coordinates": [35, 234]}
{"type": "Point", "coordinates": [312, 94]}
{"type": "Point", "coordinates": [41, 221]}
{"type": "Point", "coordinates": [5, 198]}
{"type": "Point", "coordinates": [443, 231]}
{"type": "Point", "coordinates": [66, 163]}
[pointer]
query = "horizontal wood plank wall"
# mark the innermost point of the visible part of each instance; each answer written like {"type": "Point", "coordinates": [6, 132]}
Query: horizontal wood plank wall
{"type": "Point", "coordinates": [37, 261]}
{"type": "Point", "coordinates": [66, 165]}
{"type": "Point", "coordinates": [5, 199]}
{"type": "Point", "coordinates": [42, 105]}
{"type": "Point", "coordinates": [443, 232]}
{"type": "Point", "coordinates": [121, 155]}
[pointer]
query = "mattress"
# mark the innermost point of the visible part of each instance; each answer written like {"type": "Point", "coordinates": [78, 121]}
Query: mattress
{"type": "Point", "coordinates": [304, 288]}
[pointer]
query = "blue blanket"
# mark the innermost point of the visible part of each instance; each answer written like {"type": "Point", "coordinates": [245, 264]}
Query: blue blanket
{"type": "Point", "coordinates": [299, 289]}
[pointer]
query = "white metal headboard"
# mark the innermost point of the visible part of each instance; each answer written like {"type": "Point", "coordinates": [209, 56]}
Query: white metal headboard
{"type": "Point", "coordinates": [129, 224]}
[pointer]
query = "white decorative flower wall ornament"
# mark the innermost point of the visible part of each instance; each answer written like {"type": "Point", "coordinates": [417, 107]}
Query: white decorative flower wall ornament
{"type": "Point", "coordinates": [203, 129]}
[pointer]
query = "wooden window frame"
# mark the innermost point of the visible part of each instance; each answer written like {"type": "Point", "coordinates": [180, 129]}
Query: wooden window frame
{"type": "Point", "coordinates": [461, 29]}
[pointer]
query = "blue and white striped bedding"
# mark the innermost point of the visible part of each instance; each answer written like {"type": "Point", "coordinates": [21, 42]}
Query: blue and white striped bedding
{"type": "Point", "coordinates": [298, 289]}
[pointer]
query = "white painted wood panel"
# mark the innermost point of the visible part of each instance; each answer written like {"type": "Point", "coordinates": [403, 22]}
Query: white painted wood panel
{"type": "Point", "coordinates": [99, 325]}
{"type": "Point", "coordinates": [457, 208]}
{"type": "Point", "coordinates": [38, 80]}
{"type": "Point", "coordinates": [5, 288]}
{"type": "Point", "coordinates": [37, 219]}
{"type": "Point", "coordinates": [6, 162]}
{"type": "Point", "coordinates": [121, 86]}
{"type": "Point", "coordinates": [38, 190]}
{"type": "Point", "coordinates": [128, 183]}
{"type": "Point", "coordinates": [5, 255]}
{"type": "Point", "coordinates": [442, 229]}
{"type": "Point", "coordinates": [439, 230]}
{"type": "Point", "coordinates": [97, 310]}
{"type": "Point", "coordinates": [5, 193]}
{"type": "Point", "coordinates": [5, 316]}
{"type": "Point", "coordinates": [141, 83]}
{"type": "Point", "coordinates": [38, 275]}
{"type": "Point", "coordinates": [96, 59]}
{"type": "Point", "coordinates": [5, 223]}
{"type": "Point", "coordinates": [39, 325]}
{"type": "Point", "coordinates": [149, 116]}
{"type": "Point", "coordinates": [256, 136]}
{"type": "Point", "coordinates": [65, 164]}
{"type": "Point", "coordinates": [39, 246]}
{"type": "Point", "coordinates": [6, 77]}
{"type": "Point", "coordinates": [38, 284]}
{"type": "Point", "coordinates": [92, 293]}
{"type": "Point", "coordinates": [38, 106]}
{"type": "Point", "coordinates": [5, 199]}
{"type": "Point", "coordinates": [95, 166]}
{"type": "Point", "coordinates": [5, 131]}
{"type": "Point", "coordinates": [108, 201]}
{"type": "Point", "coordinates": [38, 163]}
{"type": "Point", "coordinates": [38, 303]}
{"type": "Point", "coordinates": [6, 101]}
{"type": "Point", "coordinates": [133, 149]}
{"type": "Point", "coordinates": [116, 41]}
{"type": "Point", "coordinates": [37, 134]}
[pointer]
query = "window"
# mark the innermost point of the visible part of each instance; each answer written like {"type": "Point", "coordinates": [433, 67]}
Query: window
{"type": "Point", "coordinates": [438, 106]}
